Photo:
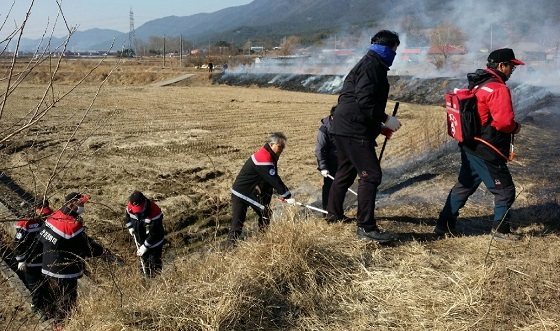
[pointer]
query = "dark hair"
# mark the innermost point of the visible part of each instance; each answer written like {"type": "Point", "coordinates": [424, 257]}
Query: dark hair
{"type": "Point", "coordinates": [492, 65]}
{"type": "Point", "coordinates": [386, 38]}
{"type": "Point", "coordinates": [333, 109]}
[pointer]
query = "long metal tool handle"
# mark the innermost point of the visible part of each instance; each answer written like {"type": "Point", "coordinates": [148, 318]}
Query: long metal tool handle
{"type": "Point", "coordinates": [385, 142]}
{"type": "Point", "coordinates": [312, 208]}
{"type": "Point", "coordinates": [511, 148]}
{"type": "Point", "coordinates": [141, 261]}
{"type": "Point", "coordinates": [349, 189]}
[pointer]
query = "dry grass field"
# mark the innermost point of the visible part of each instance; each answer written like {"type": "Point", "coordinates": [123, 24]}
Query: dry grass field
{"type": "Point", "coordinates": [183, 145]}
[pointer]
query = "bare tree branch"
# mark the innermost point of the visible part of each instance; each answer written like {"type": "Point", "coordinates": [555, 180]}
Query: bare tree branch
{"type": "Point", "coordinates": [49, 98]}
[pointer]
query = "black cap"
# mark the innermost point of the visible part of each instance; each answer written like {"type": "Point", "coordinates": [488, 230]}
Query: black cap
{"type": "Point", "coordinates": [77, 196]}
{"type": "Point", "coordinates": [40, 203]}
{"type": "Point", "coordinates": [72, 196]}
{"type": "Point", "coordinates": [137, 198]}
{"type": "Point", "coordinates": [504, 55]}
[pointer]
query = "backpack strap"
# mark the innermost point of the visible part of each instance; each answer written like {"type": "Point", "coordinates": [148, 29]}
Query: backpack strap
{"type": "Point", "coordinates": [477, 87]}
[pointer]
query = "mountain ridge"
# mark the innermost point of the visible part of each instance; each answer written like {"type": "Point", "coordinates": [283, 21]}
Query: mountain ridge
{"type": "Point", "coordinates": [268, 21]}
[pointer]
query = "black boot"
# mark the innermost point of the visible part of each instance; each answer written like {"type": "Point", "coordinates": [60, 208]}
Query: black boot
{"type": "Point", "coordinates": [446, 226]}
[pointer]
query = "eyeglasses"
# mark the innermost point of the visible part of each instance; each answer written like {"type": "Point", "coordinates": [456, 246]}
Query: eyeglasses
{"type": "Point", "coordinates": [511, 65]}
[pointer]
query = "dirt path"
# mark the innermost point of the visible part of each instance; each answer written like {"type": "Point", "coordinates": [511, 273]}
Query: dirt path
{"type": "Point", "coordinates": [173, 80]}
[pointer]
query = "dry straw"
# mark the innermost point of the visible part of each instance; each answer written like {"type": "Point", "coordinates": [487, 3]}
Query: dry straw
{"type": "Point", "coordinates": [303, 274]}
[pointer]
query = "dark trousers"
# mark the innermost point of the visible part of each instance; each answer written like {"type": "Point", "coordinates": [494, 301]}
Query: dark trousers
{"type": "Point", "coordinates": [239, 214]}
{"type": "Point", "coordinates": [37, 285]}
{"type": "Point", "coordinates": [327, 183]}
{"type": "Point", "coordinates": [152, 261]}
{"type": "Point", "coordinates": [63, 295]}
{"type": "Point", "coordinates": [355, 157]}
{"type": "Point", "coordinates": [496, 177]}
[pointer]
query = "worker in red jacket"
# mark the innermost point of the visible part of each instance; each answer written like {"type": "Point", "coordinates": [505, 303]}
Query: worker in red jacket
{"type": "Point", "coordinates": [29, 250]}
{"type": "Point", "coordinates": [485, 159]}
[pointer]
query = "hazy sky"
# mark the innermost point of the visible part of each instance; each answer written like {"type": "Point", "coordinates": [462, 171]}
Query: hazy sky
{"type": "Point", "coordinates": [104, 14]}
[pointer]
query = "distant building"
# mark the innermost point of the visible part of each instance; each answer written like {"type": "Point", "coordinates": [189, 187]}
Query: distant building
{"type": "Point", "coordinates": [257, 49]}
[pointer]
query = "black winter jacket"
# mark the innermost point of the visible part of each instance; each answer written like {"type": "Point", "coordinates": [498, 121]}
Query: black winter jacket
{"type": "Point", "coordinates": [259, 170]}
{"type": "Point", "coordinates": [147, 225]}
{"type": "Point", "coordinates": [65, 245]}
{"type": "Point", "coordinates": [325, 150]}
{"type": "Point", "coordinates": [26, 242]}
{"type": "Point", "coordinates": [361, 104]}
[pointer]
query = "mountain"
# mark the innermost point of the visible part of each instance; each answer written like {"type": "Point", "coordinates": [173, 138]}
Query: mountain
{"type": "Point", "coordinates": [268, 21]}
{"type": "Point", "coordinates": [276, 17]}
{"type": "Point", "coordinates": [271, 20]}
{"type": "Point", "coordinates": [90, 39]}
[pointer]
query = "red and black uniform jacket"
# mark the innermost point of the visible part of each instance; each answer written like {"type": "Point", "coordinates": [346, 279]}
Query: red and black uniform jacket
{"type": "Point", "coordinates": [27, 246]}
{"type": "Point", "coordinates": [147, 225]}
{"type": "Point", "coordinates": [260, 169]}
{"type": "Point", "coordinates": [65, 245]}
{"type": "Point", "coordinates": [362, 99]}
{"type": "Point", "coordinates": [496, 114]}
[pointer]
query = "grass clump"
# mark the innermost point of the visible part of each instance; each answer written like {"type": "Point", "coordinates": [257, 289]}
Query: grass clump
{"type": "Point", "coordinates": [303, 274]}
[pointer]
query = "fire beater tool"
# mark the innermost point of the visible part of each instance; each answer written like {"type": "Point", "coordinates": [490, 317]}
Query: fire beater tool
{"type": "Point", "coordinates": [385, 142]}
{"type": "Point", "coordinates": [349, 189]}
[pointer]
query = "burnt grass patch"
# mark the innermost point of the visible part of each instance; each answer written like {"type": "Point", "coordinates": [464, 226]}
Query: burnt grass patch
{"type": "Point", "coordinates": [417, 90]}
{"type": "Point", "coordinates": [426, 90]}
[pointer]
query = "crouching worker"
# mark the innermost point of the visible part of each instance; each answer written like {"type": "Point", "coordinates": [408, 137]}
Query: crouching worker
{"type": "Point", "coordinates": [144, 221]}
{"type": "Point", "coordinates": [29, 251]}
{"type": "Point", "coordinates": [254, 185]}
{"type": "Point", "coordinates": [65, 245]}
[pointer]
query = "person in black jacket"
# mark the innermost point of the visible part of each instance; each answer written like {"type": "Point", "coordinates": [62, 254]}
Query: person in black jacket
{"type": "Point", "coordinates": [144, 221]}
{"type": "Point", "coordinates": [254, 185]}
{"type": "Point", "coordinates": [358, 120]}
{"type": "Point", "coordinates": [65, 245]}
{"type": "Point", "coordinates": [29, 251]}
{"type": "Point", "coordinates": [325, 152]}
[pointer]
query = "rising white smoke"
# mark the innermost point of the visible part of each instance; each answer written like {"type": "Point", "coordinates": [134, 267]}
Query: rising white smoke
{"type": "Point", "coordinates": [488, 25]}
